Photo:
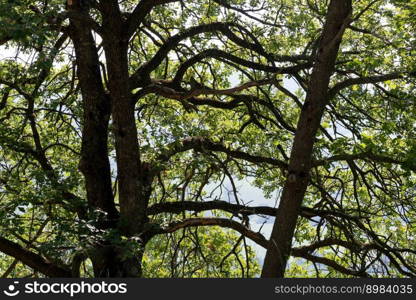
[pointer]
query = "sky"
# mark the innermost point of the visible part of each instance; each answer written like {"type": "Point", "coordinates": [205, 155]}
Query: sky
{"type": "Point", "coordinates": [253, 196]}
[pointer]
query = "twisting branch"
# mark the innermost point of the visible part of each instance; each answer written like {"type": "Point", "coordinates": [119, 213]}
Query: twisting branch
{"type": "Point", "coordinates": [362, 80]}
{"type": "Point", "coordinates": [218, 54]}
{"type": "Point", "coordinates": [328, 262]}
{"type": "Point", "coordinates": [364, 155]}
{"type": "Point", "coordinates": [202, 143]}
{"type": "Point", "coordinates": [222, 222]}
{"type": "Point", "coordinates": [142, 73]}
{"type": "Point", "coordinates": [168, 92]}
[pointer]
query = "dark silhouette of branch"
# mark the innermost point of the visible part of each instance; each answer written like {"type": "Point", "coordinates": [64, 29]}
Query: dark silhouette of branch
{"type": "Point", "coordinates": [222, 222]}
{"type": "Point", "coordinates": [364, 155]}
{"type": "Point", "coordinates": [142, 73]}
{"type": "Point", "coordinates": [328, 262]}
{"type": "Point", "coordinates": [32, 260]}
{"type": "Point", "coordinates": [202, 144]}
{"type": "Point", "coordinates": [362, 80]}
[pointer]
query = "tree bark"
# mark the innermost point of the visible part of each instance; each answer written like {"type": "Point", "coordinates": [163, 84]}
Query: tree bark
{"type": "Point", "coordinates": [133, 189]}
{"type": "Point", "coordinates": [338, 16]}
{"type": "Point", "coordinates": [131, 184]}
{"type": "Point", "coordinates": [94, 163]}
{"type": "Point", "coordinates": [108, 259]}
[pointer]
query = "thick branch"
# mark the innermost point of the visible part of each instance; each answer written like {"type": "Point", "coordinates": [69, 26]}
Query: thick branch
{"type": "Point", "coordinates": [202, 90]}
{"type": "Point", "coordinates": [222, 222]}
{"type": "Point", "coordinates": [362, 80]}
{"type": "Point", "coordinates": [94, 163]}
{"type": "Point", "coordinates": [317, 97]}
{"type": "Point", "coordinates": [140, 12]}
{"type": "Point", "coordinates": [32, 260]}
{"type": "Point", "coordinates": [202, 143]}
{"type": "Point", "coordinates": [179, 207]}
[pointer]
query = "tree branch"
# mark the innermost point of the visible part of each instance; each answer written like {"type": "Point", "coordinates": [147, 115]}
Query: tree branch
{"type": "Point", "coordinates": [140, 12]}
{"type": "Point", "coordinates": [179, 207]}
{"type": "Point", "coordinates": [32, 260]}
{"type": "Point", "coordinates": [168, 92]}
{"type": "Point", "coordinates": [328, 262]}
{"type": "Point", "coordinates": [365, 155]}
{"type": "Point", "coordinates": [143, 72]}
{"type": "Point", "coordinates": [203, 143]}
{"type": "Point", "coordinates": [222, 222]}
{"type": "Point", "coordinates": [362, 80]}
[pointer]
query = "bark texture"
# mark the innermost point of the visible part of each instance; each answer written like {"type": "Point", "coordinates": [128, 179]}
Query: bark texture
{"type": "Point", "coordinates": [109, 259]}
{"type": "Point", "coordinates": [338, 16]}
{"type": "Point", "coordinates": [94, 163]}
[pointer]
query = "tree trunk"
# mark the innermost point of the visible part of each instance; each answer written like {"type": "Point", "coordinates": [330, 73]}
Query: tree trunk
{"type": "Point", "coordinates": [113, 261]}
{"type": "Point", "coordinates": [338, 16]}
{"type": "Point", "coordinates": [94, 163]}
{"type": "Point", "coordinates": [133, 201]}
{"type": "Point", "coordinates": [109, 259]}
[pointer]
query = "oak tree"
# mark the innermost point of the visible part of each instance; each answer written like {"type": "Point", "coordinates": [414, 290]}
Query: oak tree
{"type": "Point", "coordinates": [128, 127]}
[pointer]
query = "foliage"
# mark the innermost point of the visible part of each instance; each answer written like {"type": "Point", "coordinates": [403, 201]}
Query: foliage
{"type": "Point", "coordinates": [202, 130]}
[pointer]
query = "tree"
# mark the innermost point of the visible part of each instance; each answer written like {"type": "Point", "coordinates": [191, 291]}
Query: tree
{"type": "Point", "coordinates": [123, 123]}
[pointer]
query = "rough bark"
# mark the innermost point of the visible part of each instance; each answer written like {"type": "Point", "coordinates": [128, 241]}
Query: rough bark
{"type": "Point", "coordinates": [278, 252]}
{"type": "Point", "coordinates": [131, 184]}
{"type": "Point", "coordinates": [94, 163]}
{"type": "Point", "coordinates": [133, 188]}
{"type": "Point", "coordinates": [108, 259]}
